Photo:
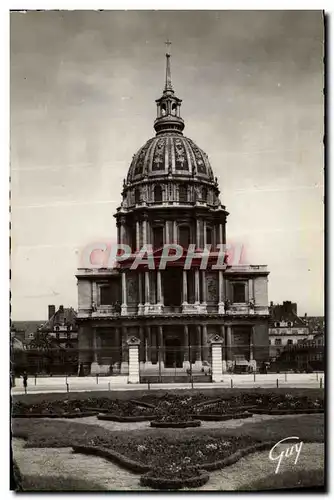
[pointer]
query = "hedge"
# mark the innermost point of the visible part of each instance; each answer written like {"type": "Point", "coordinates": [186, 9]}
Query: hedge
{"type": "Point", "coordinates": [176, 425]}
{"type": "Point", "coordinates": [219, 418]}
{"type": "Point", "coordinates": [113, 456]}
{"type": "Point", "coordinates": [116, 418]}
{"type": "Point", "coordinates": [55, 415]}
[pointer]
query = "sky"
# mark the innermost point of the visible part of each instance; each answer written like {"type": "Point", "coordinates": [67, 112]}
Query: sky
{"type": "Point", "coordinates": [83, 86]}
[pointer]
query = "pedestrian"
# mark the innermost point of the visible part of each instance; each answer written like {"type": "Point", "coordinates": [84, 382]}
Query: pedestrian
{"type": "Point", "coordinates": [25, 381]}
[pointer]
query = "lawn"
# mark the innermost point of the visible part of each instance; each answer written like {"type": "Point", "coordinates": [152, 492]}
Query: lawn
{"type": "Point", "coordinates": [58, 483]}
{"type": "Point", "coordinates": [56, 434]}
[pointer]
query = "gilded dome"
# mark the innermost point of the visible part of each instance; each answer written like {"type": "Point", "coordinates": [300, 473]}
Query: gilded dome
{"type": "Point", "coordinates": [169, 153]}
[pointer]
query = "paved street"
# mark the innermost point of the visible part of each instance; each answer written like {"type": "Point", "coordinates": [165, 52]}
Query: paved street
{"type": "Point", "coordinates": [119, 383]}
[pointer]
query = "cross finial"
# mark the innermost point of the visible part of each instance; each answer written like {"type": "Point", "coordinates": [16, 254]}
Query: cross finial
{"type": "Point", "coordinates": [168, 43]}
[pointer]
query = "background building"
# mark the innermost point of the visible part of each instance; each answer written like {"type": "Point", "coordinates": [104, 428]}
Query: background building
{"type": "Point", "coordinates": [170, 195]}
{"type": "Point", "coordinates": [285, 327]}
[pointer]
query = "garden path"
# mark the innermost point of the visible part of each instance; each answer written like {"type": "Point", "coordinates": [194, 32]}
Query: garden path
{"type": "Point", "coordinates": [133, 426]}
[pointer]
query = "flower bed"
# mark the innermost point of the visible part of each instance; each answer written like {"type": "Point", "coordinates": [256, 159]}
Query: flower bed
{"type": "Point", "coordinates": [113, 456]}
{"type": "Point", "coordinates": [174, 478]}
{"type": "Point", "coordinates": [175, 424]}
{"type": "Point", "coordinates": [99, 405]}
{"type": "Point", "coordinates": [142, 403]}
{"type": "Point", "coordinates": [171, 407]}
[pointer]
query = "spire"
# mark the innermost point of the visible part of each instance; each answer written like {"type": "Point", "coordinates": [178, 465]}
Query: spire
{"type": "Point", "coordinates": [168, 84]}
{"type": "Point", "coordinates": [168, 106]}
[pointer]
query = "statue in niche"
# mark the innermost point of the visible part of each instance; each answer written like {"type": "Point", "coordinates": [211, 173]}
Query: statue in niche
{"type": "Point", "coordinates": [212, 289]}
{"type": "Point", "coordinates": [132, 289]}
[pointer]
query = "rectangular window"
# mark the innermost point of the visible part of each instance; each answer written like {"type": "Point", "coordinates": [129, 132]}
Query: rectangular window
{"type": "Point", "coordinates": [158, 237]}
{"type": "Point", "coordinates": [278, 341]}
{"type": "Point", "coordinates": [289, 341]}
{"type": "Point", "coordinates": [239, 293]}
{"type": "Point", "coordinates": [109, 294]}
{"type": "Point", "coordinates": [184, 236]}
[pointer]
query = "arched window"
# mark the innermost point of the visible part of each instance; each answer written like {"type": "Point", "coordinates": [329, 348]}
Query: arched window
{"type": "Point", "coordinates": [204, 194]}
{"type": "Point", "coordinates": [157, 194]}
{"type": "Point", "coordinates": [137, 195]}
{"type": "Point", "coordinates": [183, 193]}
{"type": "Point", "coordinates": [163, 110]}
{"type": "Point", "coordinates": [174, 109]}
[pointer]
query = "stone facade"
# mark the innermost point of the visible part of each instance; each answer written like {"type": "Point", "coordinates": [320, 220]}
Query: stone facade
{"type": "Point", "coordinates": [171, 196]}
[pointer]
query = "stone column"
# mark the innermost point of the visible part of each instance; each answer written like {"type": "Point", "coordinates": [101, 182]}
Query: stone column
{"type": "Point", "coordinates": [125, 354]}
{"type": "Point", "coordinates": [229, 360]}
{"type": "Point", "coordinates": [203, 288]}
{"type": "Point", "coordinates": [124, 309]}
{"type": "Point", "coordinates": [223, 336]}
{"type": "Point", "coordinates": [133, 346]}
{"type": "Point", "coordinates": [94, 293]}
{"type": "Point", "coordinates": [123, 231]}
{"type": "Point", "coordinates": [252, 361]}
{"type": "Point", "coordinates": [160, 299]}
{"type": "Point", "coordinates": [216, 356]}
{"type": "Point", "coordinates": [144, 223]}
{"type": "Point", "coordinates": [204, 343]}
{"type": "Point", "coordinates": [174, 232]}
{"type": "Point", "coordinates": [142, 345]}
{"type": "Point", "coordinates": [198, 235]}
{"type": "Point", "coordinates": [198, 362]}
{"type": "Point", "coordinates": [186, 360]}
{"type": "Point", "coordinates": [148, 232]}
{"type": "Point", "coordinates": [167, 238]}
{"type": "Point", "coordinates": [118, 347]}
{"type": "Point", "coordinates": [140, 293]}
{"type": "Point", "coordinates": [185, 288]}
{"type": "Point", "coordinates": [147, 292]}
{"type": "Point", "coordinates": [161, 345]}
{"type": "Point", "coordinates": [94, 368]}
{"type": "Point", "coordinates": [204, 232]}
{"type": "Point", "coordinates": [221, 304]}
{"type": "Point", "coordinates": [148, 362]}
{"type": "Point", "coordinates": [197, 286]}
{"type": "Point", "coordinates": [221, 233]}
{"type": "Point", "coordinates": [137, 235]}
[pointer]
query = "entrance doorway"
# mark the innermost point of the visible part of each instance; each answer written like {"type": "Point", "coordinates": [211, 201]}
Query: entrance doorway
{"type": "Point", "coordinates": [174, 354]}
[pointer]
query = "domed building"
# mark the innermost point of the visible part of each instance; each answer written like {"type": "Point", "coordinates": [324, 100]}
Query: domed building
{"type": "Point", "coordinates": [170, 196]}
